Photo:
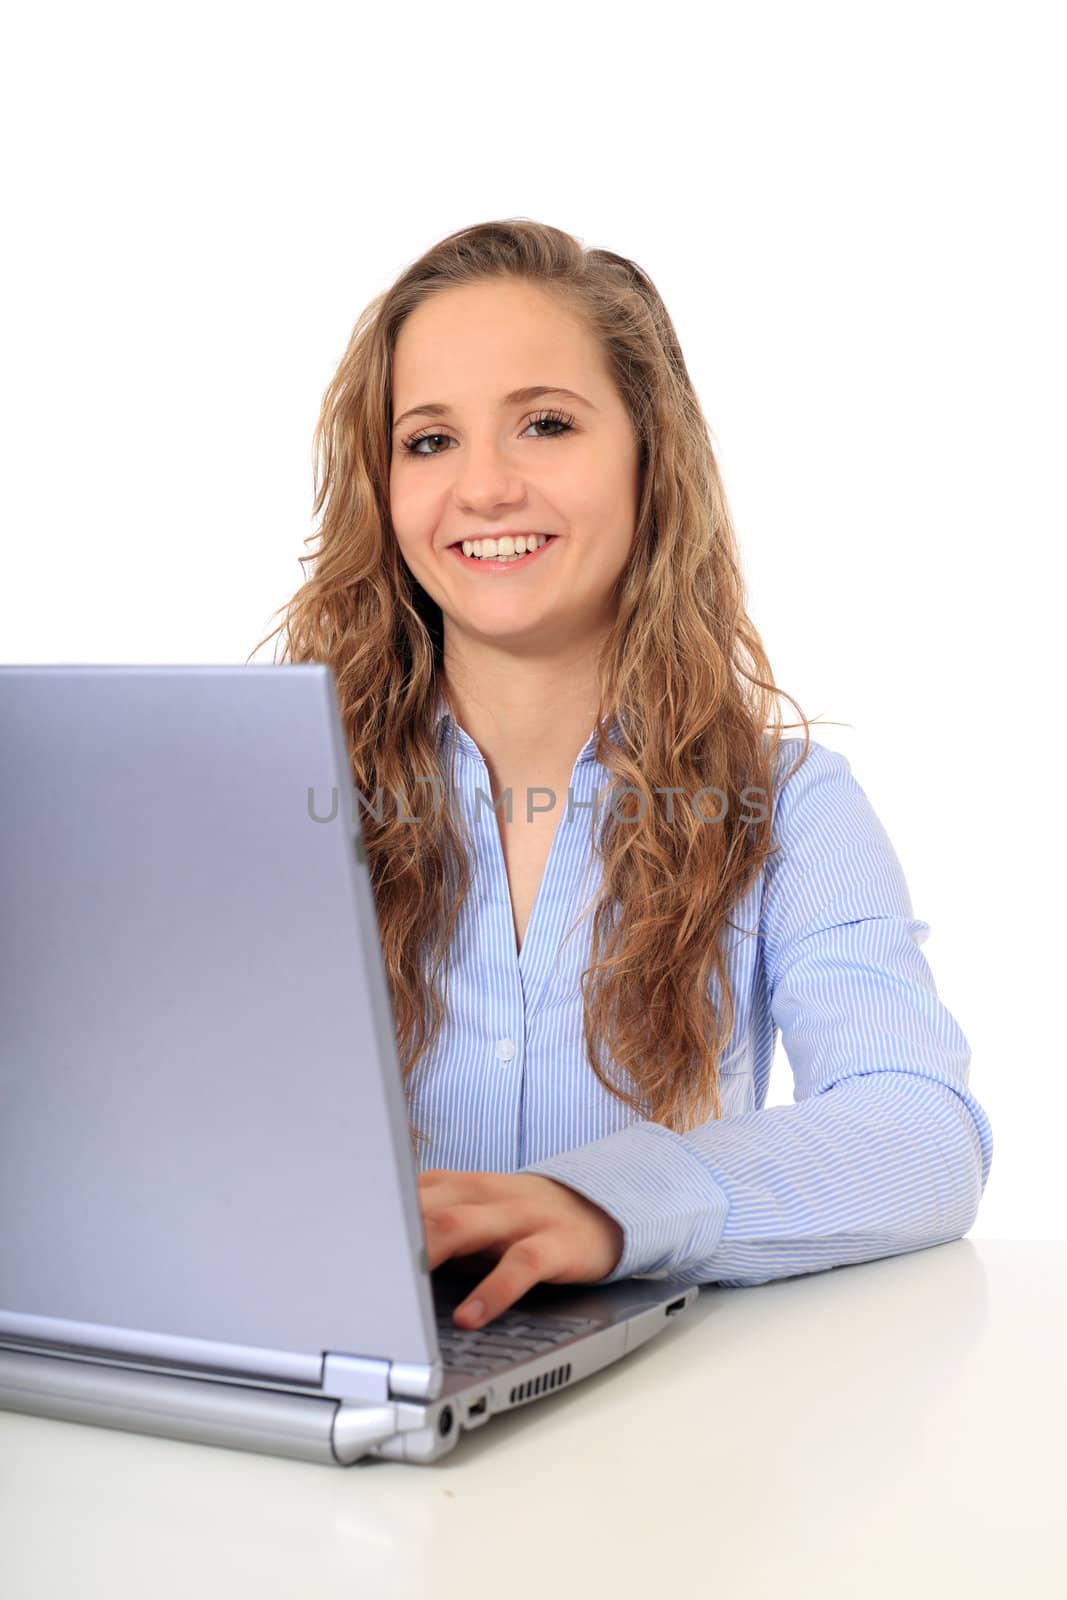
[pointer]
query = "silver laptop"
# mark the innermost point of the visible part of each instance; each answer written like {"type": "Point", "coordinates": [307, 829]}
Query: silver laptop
{"type": "Point", "coordinates": [209, 1217]}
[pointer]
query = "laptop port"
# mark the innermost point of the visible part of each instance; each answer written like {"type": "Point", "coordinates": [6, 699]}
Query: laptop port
{"type": "Point", "coordinates": [477, 1407]}
{"type": "Point", "coordinates": [675, 1305]}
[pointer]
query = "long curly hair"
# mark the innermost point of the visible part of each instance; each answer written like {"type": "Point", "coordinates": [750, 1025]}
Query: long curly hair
{"type": "Point", "coordinates": [683, 664]}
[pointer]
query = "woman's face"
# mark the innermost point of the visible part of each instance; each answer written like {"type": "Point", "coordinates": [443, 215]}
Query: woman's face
{"type": "Point", "coordinates": [485, 465]}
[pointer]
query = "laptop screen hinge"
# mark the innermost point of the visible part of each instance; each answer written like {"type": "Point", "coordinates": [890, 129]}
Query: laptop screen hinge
{"type": "Point", "coordinates": [362, 1378]}
{"type": "Point", "coordinates": [354, 1378]}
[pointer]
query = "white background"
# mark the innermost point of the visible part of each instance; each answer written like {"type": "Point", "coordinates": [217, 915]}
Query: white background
{"type": "Point", "coordinates": [854, 214]}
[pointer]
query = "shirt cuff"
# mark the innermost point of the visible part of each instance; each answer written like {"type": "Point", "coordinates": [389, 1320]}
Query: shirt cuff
{"type": "Point", "coordinates": [669, 1207]}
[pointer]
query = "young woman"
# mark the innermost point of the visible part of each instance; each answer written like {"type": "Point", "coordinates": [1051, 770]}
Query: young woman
{"type": "Point", "coordinates": [608, 881]}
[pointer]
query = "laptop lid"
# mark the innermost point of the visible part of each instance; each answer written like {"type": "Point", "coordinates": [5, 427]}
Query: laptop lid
{"type": "Point", "coordinates": [204, 1156]}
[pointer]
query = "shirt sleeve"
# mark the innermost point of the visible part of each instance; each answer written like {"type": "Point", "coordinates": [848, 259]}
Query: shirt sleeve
{"type": "Point", "coordinates": [884, 1149]}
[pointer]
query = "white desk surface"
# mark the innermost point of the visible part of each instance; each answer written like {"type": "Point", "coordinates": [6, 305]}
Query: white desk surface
{"type": "Point", "coordinates": [896, 1428]}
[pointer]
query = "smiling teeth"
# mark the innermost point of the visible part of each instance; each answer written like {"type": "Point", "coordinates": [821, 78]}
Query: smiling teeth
{"type": "Point", "coordinates": [505, 548]}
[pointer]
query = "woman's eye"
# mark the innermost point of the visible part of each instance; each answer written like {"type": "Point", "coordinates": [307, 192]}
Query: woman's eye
{"type": "Point", "coordinates": [557, 419]}
{"type": "Point", "coordinates": [412, 445]}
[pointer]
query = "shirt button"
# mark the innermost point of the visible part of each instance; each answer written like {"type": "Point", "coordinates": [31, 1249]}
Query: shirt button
{"type": "Point", "coordinates": [505, 1049]}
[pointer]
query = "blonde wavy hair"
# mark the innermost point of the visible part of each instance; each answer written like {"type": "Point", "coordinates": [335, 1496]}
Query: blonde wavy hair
{"type": "Point", "coordinates": [683, 664]}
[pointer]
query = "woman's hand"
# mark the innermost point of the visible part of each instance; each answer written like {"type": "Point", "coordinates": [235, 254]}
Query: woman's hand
{"type": "Point", "coordinates": [539, 1230]}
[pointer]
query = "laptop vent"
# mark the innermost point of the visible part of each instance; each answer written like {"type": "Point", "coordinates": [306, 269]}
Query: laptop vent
{"type": "Point", "coordinates": [541, 1384]}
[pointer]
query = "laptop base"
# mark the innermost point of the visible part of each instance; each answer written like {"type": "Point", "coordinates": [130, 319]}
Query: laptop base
{"type": "Point", "coordinates": [307, 1427]}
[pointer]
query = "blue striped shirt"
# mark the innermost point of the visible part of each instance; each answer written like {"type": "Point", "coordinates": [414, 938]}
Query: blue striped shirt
{"type": "Point", "coordinates": [884, 1149]}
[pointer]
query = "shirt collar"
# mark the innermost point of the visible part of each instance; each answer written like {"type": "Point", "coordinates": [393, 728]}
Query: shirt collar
{"type": "Point", "coordinates": [442, 715]}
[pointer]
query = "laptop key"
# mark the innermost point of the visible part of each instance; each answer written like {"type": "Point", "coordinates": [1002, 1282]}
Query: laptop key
{"type": "Point", "coordinates": [562, 1324]}
{"type": "Point", "coordinates": [509, 1340]}
{"type": "Point", "coordinates": [547, 1337]}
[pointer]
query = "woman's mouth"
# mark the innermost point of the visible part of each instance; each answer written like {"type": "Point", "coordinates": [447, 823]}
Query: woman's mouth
{"type": "Point", "coordinates": [506, 564]}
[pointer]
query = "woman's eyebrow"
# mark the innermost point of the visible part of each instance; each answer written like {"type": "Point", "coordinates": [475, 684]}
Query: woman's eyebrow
{"type": "Point", "coordinates": [437, 408]}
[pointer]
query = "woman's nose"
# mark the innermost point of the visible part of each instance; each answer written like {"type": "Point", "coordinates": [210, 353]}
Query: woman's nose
{"type": "Point", "coordinates": [486, 469]}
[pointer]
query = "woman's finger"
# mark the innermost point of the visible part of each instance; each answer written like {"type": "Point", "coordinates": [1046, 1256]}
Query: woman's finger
{"type": "Point", "coordinates": [459, 1230]}
{"type": "Point", "coordinates": [534, 1259]}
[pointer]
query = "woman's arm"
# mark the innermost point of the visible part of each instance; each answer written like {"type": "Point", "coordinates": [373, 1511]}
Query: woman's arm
{"type": "Point", "coordinates": [885, 1149]}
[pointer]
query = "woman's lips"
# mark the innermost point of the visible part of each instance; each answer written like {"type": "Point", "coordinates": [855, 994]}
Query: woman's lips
{"type": "Point", "coordinates": [502, 567]}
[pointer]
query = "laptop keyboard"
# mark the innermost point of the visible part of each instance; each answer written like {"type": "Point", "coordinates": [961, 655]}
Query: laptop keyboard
{"type": "Point", "coordinates": [512, 1337]}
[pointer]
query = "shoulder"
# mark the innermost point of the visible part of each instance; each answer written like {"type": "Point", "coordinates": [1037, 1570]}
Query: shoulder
{"type": "Point", "coordinates": [816, 788]}
{"type": "Point", "coordinates": [819, 764]}
{"type": "Point", "coordinates": [832, 860]}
